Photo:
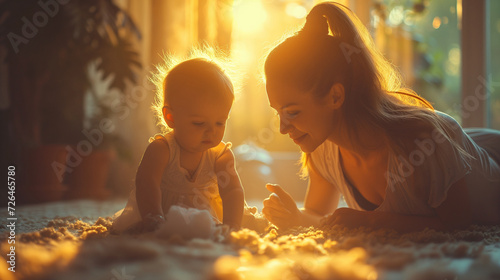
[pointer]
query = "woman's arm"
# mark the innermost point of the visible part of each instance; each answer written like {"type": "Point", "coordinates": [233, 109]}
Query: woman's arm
{"type": "Point", "coordinates": [352, 218]}
{"type": "Point", "coordinates": [453, 213]}
{"type": "Point", "coordinates": [322, 197]}
{"type": "Point", "coordinates": [148, 178]}
{"type": "Point", "coordinates": [230, 190]}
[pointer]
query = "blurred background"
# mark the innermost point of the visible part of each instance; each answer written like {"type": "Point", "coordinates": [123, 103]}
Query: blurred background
{"type": "Point", "coordinates": [75, 99]}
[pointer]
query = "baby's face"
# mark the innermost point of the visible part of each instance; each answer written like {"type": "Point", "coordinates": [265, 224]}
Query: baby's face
{"type": "Point", "coordinates": [200, 120]}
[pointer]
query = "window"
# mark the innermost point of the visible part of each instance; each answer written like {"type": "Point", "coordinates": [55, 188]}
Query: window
{"type": "Point", "coordinates": [423, 41]}
{"type": "Point", "coordinates": [440, 59]}
{"type": "Point", "coordinates": [493, 62]}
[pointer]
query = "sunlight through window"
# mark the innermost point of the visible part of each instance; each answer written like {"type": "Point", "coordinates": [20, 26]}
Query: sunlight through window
{"type": "Point", "coordinates": [249, 16]}
{"type": "Point", "coordinates": [295, 10]}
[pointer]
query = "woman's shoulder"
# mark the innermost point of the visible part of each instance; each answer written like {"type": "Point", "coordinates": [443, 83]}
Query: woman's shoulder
{"type": "Point", "coordinates": [445, 116]}
{"type": "Point", "coordinates": [449, 120]}
{"type": "Point", "coordinates": [449, 131]}
{"type": "Point", "coordinates": [442, 129]}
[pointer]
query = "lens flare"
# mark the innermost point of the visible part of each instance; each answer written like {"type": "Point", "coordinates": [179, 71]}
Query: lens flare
{"type": "Point", "coordinates": [249, 16]}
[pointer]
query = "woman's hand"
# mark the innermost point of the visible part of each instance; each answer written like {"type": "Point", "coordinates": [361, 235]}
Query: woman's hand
{"type": "Point", "coordinates": [346, 217]}
{"type": "Point", "coordinates": [280, 208]}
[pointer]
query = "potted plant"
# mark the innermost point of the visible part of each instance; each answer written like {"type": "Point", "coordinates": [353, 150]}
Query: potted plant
{"type": "Point", "coordinates": [50, 45]}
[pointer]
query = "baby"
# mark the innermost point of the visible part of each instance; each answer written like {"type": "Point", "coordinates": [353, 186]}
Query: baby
{"type": "Point", "coordinates": [188, 165]}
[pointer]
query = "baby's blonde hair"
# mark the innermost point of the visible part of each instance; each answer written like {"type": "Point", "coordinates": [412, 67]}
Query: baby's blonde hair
{"type": "Point", "coordinates": [204, 70]}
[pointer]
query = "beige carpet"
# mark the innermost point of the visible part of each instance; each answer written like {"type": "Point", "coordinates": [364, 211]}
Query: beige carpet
{"type": "Point", "coordinates": [70, 240]}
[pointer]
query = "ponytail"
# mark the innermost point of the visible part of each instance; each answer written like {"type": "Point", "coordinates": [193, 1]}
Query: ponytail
{"type": "Point", "coordinates": [316, 25]}
{"type": "Point", "coordinates": [333, 19]}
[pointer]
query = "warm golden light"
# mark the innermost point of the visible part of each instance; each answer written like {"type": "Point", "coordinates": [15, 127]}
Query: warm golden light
{"type": "Point", "coordinates": [37, 258]}
{"type": "Point", "coordinates": [396, 16]}
{"type": "Point", "coordinates": [249, 16]}
{"type": "Point", "coordinates": [243, 54]}
{"type": "Point", "coordinates": [436, 23]}
{"type": "Point", "coordinates": [459, 14]}
{"type": "Point", "coordinates": [295, 10]}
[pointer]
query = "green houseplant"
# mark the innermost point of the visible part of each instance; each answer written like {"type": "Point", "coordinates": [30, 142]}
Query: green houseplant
{"type": "Point", "coordinates": [50, 45]}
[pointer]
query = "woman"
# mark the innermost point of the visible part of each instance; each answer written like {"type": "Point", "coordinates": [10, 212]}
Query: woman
{"type": "Point", "coordinates": [397, 162]}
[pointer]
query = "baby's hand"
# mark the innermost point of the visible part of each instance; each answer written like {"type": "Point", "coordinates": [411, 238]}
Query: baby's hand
{"type": "Point", "coordinates": [152, 223]}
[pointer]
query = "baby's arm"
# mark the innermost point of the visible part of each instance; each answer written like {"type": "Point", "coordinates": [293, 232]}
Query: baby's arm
{"type": "Point", "coordinates": [230, 190]}
{"type": "Point", "coordinates": [147, 180]}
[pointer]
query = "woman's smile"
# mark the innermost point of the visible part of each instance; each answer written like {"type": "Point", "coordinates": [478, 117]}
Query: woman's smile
{"type": "Point", "coordinates": [299, 139]}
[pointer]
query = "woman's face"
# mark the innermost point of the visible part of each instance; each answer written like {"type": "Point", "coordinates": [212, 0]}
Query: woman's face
{"type": "Point", "coordinates": [308, 120]}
